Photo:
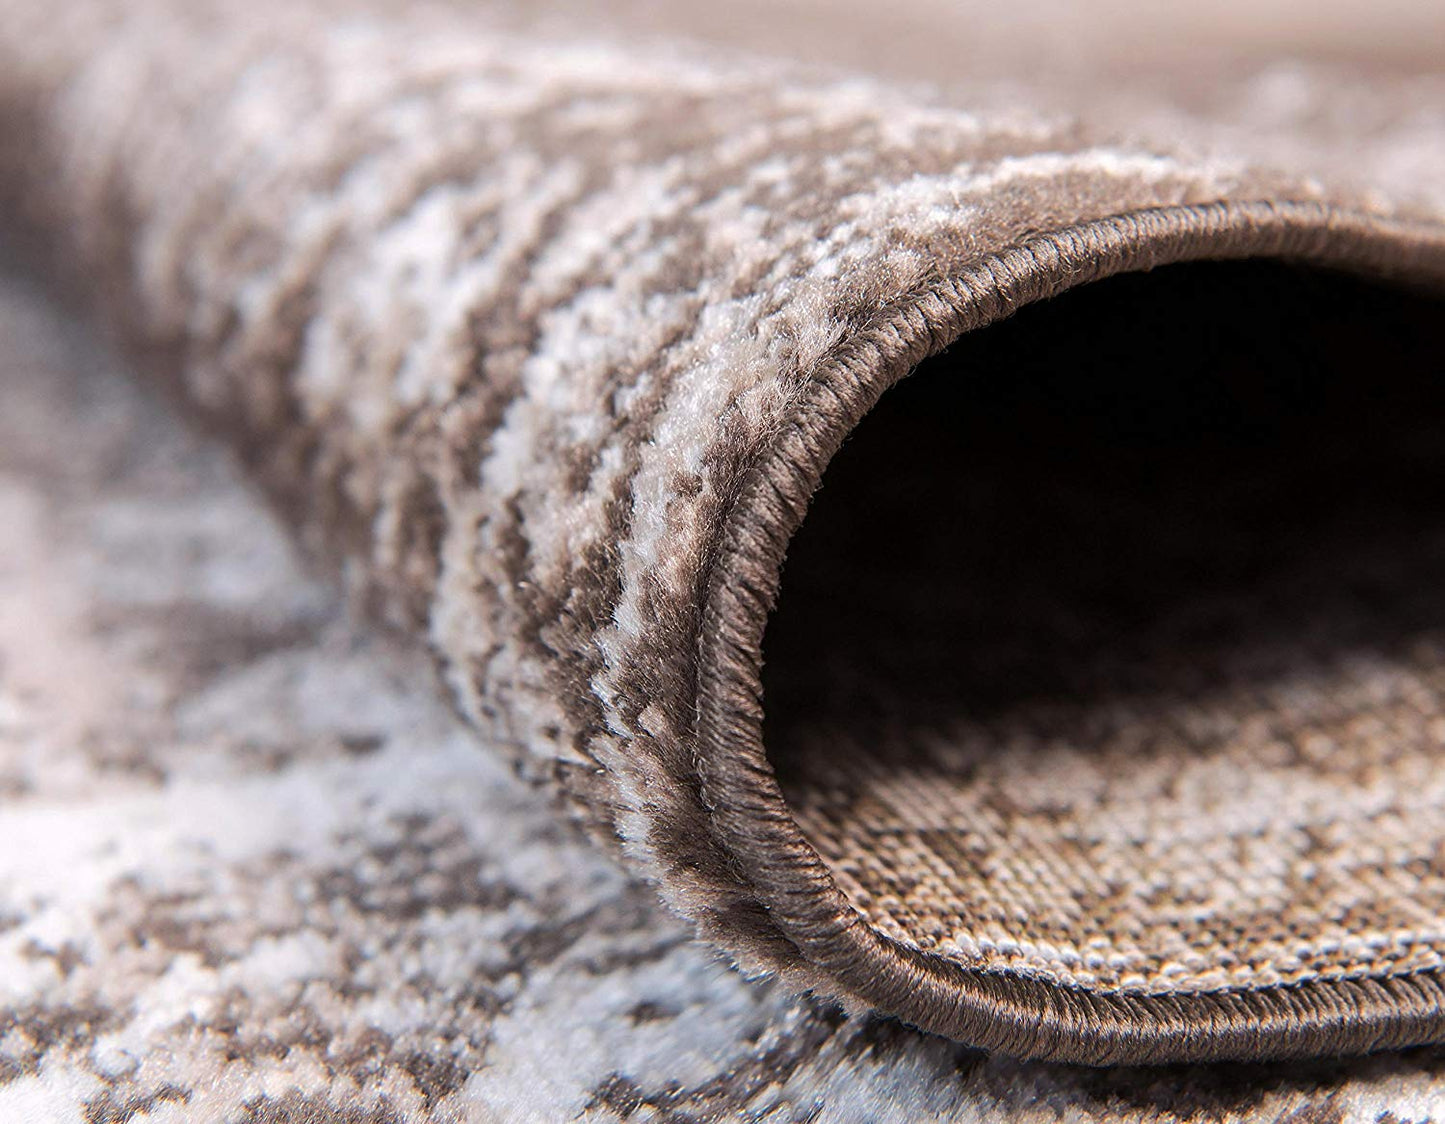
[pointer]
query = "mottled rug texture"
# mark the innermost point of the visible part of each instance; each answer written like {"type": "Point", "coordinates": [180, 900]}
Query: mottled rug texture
{"type": "Point", "coordinates": [1076, 700]}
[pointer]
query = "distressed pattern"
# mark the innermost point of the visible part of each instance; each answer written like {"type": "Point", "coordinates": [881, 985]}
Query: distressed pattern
{"type": "Point", "coordinates": [255, 871]}
{"type": "Point", "coordinates": [542, 342]}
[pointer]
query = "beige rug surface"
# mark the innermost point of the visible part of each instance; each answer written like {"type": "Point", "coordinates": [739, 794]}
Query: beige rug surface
{"type": "Point", "coordinates": [1077, 698]}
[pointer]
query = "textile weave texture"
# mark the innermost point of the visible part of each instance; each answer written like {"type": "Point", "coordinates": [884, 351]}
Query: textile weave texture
{"type": "Point", "coordinates": [1077, 697]}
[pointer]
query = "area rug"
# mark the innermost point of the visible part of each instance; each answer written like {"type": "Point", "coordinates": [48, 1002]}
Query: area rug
{"type": "Point", "coordinates": [1076, 697]}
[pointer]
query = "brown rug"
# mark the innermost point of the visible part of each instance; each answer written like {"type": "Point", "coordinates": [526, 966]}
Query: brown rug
{"type": "Point", "coordinates": [1092, 709]}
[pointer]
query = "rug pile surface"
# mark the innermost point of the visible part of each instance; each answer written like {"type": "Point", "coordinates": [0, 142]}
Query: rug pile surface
{"type": "Point", "coordinates": [959, 523]}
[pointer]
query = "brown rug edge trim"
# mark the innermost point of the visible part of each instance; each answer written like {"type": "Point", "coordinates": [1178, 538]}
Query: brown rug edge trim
{"type": "Point", "coordinates": [992, 1008]}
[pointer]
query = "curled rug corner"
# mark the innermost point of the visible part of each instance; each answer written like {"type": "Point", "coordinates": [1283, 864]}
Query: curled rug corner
{"type": "Point", "coordinates": [1078, 697]}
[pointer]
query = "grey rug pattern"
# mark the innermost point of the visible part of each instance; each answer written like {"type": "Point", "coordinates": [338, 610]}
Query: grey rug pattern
{"type": "Point", "coordinates": [256, 871]}
{"type": "Point", "coordinates": [536, 332]}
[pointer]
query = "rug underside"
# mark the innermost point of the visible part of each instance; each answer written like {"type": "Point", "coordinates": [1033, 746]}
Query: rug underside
{"type": "Point", "coordinates": [1111, 647]}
